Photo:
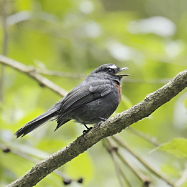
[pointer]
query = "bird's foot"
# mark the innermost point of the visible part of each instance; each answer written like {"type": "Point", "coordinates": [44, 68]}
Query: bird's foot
{"type": "Point", "coordinates": [102, 120]}
{"type": "Point", "coordinates": [99, 124]}
{"type": "Point", "coordinates": [87, 129]}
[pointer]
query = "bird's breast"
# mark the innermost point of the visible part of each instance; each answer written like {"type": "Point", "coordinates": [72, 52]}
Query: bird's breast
{"type": "Point", "coordinates": [119, 91]}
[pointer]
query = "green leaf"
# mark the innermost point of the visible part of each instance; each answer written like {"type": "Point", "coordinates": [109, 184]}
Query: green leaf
{"type": "Point", "coordinates": [170, 169]}
{"type": "Point", "coordinates": [176, 147]}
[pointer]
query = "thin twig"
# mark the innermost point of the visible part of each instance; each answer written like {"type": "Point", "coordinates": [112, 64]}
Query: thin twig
{"type": "Point", "coordinates": [125, 178]}
{"type": "Point", "coordinates": [156, 81]}
{"type": "Point", "coordinates": [149, 139]}
{"type": "Point", "coordinates": [182, 179]}
{"type": "Point", "coordinates": [117, 168]}
{"type": "Point", "coordinates": [4, 48]}
{"type": "Point", "coordinates": [21, 154]}
{"type": "Point", "coordinates": [144, 179]}
{"type": "Point", "coordinates": [141, 160]}
{"type": "Point", "coordinates": [29, 72]}
{"type": "Point", "coordinates": [82, 76]}
{"type": "Point", "coordinates": [60, 74]}
{"type": "Point", "coordinates": [111, 150]}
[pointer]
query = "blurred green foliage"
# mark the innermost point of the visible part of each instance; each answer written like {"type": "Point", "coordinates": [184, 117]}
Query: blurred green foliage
{"type": "Point", "coordinates": [176, 147]}
{"type": "Point", "coordinates": [76, 36]}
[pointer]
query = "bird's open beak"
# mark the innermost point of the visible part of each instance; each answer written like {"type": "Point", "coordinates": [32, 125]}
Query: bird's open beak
{"type": "Point", "coordinates": [122, 69]}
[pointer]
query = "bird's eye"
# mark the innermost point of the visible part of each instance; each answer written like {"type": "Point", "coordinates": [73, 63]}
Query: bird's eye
{"type": "Point", "coordinates": [110, 70]}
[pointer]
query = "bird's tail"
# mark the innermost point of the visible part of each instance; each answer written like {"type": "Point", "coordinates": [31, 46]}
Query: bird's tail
{"type": "Point", "coordinates": [30, 126]}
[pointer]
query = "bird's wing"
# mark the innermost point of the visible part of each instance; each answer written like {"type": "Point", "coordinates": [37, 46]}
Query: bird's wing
{"type": "Point", "coordinates": [85, 94]}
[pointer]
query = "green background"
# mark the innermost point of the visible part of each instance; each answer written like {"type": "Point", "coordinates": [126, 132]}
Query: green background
{"type": "Point", "coordinates": [76, 36]}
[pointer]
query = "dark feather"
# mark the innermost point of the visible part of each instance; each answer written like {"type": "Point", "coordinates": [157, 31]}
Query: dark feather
{"type": "Point", "coordinates": [30, 126]}
{"type": "Point", "coordinates": [78, 97]}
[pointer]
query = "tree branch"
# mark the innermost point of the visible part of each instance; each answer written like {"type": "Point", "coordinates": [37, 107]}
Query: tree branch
{"type": "Point", "coordinates": [60, 74]}
{"type": "Point", "coordinates": [144, 136]}
{"type": "Point", "coordinates": [31, 73]}
{"type": "Point", "coordinates": [110, 127]}
{"type": "Point", "coordinates": [111, 150]}
{"type": "Point", "coordinates": [141, 160]}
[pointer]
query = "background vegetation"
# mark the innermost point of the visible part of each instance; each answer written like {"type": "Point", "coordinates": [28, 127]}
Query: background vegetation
{"type": "Point", "coordinates": [75, 37]}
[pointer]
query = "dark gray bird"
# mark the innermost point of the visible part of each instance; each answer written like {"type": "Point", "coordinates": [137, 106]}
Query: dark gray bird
{"type": "Point", "coordinates": [92, 101]}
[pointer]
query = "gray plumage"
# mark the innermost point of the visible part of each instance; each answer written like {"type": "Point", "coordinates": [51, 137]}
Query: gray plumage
{"type": "Point", "coordinates": [94, 99]}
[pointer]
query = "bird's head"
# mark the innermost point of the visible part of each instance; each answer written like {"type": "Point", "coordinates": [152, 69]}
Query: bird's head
{"type": "Point", "coordinates": [109, 71]}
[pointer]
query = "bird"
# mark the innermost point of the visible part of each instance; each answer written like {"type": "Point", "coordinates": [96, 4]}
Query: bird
{"type": "Point", "coordinates": [91, 102]}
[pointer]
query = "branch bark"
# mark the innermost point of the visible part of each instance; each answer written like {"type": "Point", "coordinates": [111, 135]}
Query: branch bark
{"type": "Point", "coordinates": [110, 127]}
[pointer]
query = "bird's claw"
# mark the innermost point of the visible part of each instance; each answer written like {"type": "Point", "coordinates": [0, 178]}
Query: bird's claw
{"type": "Point", "coordinates": [102, 120]}
{"type": "Point", "coordinates": [99, 124]}
{"type": "Point", "coordinates": [87, 130]}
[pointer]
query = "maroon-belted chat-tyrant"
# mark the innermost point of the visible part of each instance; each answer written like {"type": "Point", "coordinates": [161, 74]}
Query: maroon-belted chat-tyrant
{"type": "Point", "coordinates": [92, 101]}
